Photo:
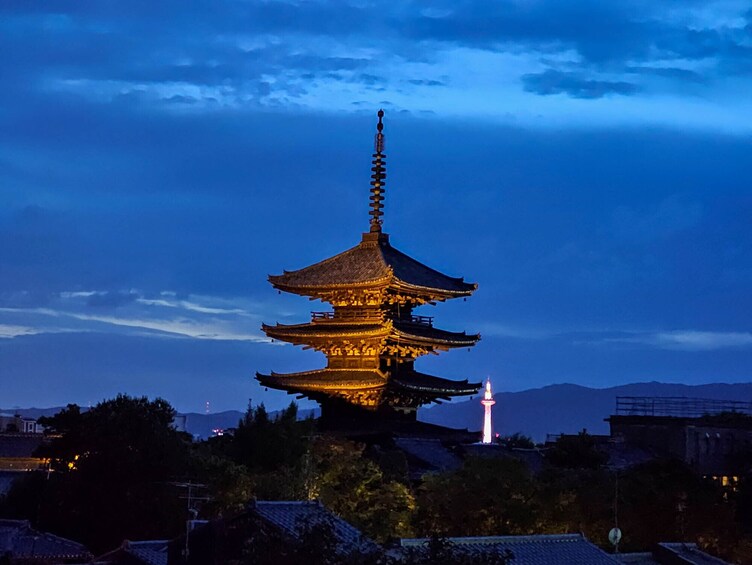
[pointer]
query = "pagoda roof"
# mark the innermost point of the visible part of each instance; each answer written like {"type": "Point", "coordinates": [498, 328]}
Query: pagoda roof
{"type": "Point", "coordinates": [403, 329]}
{"type": "Point", "coordinates": [323, 380]}
{"type": "Point", "coordinates": [372, 263]}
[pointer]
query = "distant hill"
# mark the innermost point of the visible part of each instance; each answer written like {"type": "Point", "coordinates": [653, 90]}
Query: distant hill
{"type": "Point", "coordinates": [199, 425]}
{"type": "Point", "coordinates": [566, 408]}
{"type": "Point", "coordinates": [563, 408]}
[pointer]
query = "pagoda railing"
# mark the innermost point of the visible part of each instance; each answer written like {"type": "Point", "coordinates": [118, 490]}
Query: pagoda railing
{"type": "Point", "coordinates": [355, 315]}
{"type": "Point", "coordinates": [319, 316]}
{"type": "Point", "coordinates": [347, 316]}
{"type": "Point", "coordinates": [422, 320]}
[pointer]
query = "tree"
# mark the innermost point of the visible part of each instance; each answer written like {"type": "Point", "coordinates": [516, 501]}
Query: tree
{"type": "Point", "coordinates": [112, 468]}
{"type": "Point", "coordinates": [355, 488]}
{"type": "Point", "coordinates": [486, 496]}
{"type": "Point", "coordinates": [518, 441]}
{"type": "Point", "coordinates": [577, 452]}
{"type": "Point", "coordinates": [442, 550]}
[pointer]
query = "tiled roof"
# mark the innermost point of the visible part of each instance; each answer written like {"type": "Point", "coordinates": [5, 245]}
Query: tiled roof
{"type": "Point", "coordinates": [6, 480]}
{"type": "Point", "coordinates": [292, 517]}
{"type": "Point", "coordinates": [532, 550]}
{"type": "Point", "coordinates": [371, 262]}
{"type": "Point", "coordinates": [19, 445]}
{"type": "Point", "coordinates": [431, 452]}
{"type": "Point", "coordinates": [636, 558]}
{"type": "Point", "coordinates": [688, 552]}
{"type": "Point", "coordinates": [149, 552]}
{"type": "Point", "coordinates": [325, 379]}
{"type": "Point", "coordinates": [20, 540]}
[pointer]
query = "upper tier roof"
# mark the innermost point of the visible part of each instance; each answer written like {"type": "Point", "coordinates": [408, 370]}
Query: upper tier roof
{"type": "Point", "coordinates": [373, 262]}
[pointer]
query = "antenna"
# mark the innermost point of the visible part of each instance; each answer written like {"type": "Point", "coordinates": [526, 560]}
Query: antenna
{"type": "Point", "coordinates": [378, 176]}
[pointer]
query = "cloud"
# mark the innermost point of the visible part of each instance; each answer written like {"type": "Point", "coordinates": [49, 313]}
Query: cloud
{"type": "Point", "coordinates": [188, 317]}
{"type": "Point", "coordinates": [690, 340]}
{"type": "Point", "coordinates": [575, 85]}
{"type": "Point", "coordinates": [111, 298]}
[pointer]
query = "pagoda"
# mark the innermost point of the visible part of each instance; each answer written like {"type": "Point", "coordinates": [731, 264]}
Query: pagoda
{"type": "Point", "coordinates": [370, 337]}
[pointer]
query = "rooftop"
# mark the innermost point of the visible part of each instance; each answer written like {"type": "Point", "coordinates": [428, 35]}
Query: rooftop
{"type": "Point", "coordinates": [531, 550]}
{"type": "Point", "coordinates": [365, 379]}
{"type": "Point", "coordinates": [373, 263]}
{"type": "Point", "coordinates": [292, 517]}
{"type": "Point", "coordinates": [21, 541]}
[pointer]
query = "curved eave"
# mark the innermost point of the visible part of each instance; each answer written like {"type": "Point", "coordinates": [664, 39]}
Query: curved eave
{"type": "Point", "coordinates": [407, 334]}
{"type": "Point", "coordinates": [452, 388]}
{"type": "Point", "coordinates": [386, 283]}
{"type": "Point", "coordinates": [438, 293]}
{"type": "Point", "coordinates": [440, 337]}
{"type": "Point", "coordinates": [279, 282]}
{"type": "Point", "coordinates": [324, 380]}
{"type": "Point", "coordinates": [308, 331]}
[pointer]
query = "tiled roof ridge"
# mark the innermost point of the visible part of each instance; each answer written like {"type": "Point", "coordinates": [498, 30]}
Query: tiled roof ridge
{"type": "Point", "coordinates": [333, 369]}
{"type": "Point", "coordinates": [532, 538]}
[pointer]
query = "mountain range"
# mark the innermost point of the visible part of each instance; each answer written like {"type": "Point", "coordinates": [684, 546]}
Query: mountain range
{"type": "Point", "coordinates": [553, 409]}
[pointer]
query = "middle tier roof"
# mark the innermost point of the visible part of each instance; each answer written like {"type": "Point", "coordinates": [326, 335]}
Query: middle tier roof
{"type": "Point", "coordinates": [406, 331]}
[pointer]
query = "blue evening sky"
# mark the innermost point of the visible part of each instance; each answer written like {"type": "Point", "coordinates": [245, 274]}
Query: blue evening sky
{"type": "Point", "coordinates": [586, 162]}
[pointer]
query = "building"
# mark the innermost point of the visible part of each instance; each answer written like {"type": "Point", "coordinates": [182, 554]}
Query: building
{"type": "Point", "coordinates": [20, 438]}
{"type": "Point", "coordinates": [713, 437]}
{"type": "Point", "coordinates": [671, 554]}
{"type": "Point", "coordinates": [136, 553]}
{"type": "Point", "coordinates": [269, 531]}
{"type": "Point", "coordinates": [15, 423]}
{"type": "Point", "coordinates": [371, 338]}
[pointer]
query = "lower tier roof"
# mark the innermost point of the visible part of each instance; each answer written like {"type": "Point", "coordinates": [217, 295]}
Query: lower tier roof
{"type": "Point", "coordinates": [420, 333]}
{"type": "Point", "coordinates": [330, 380]}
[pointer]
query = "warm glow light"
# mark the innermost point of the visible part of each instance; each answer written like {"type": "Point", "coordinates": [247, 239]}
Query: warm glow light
{"type": "Point", "coordinates": [487, 402]}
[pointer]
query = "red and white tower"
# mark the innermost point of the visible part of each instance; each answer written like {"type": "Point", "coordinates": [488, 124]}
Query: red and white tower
{"type": "Point", "coordinates": [487, 402]}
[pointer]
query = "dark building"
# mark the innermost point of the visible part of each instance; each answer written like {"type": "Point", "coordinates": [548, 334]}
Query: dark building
{"type": "Point", "coordinates": [371, 338]}
{"type": "Point", "coordinates": [712, 437]}
{"type": "Point", "coordinates": [153, 552]}
{"type": "Point", "coordinates": [671, 554]}
{"type": "Point", "coordinates": [264, 529]}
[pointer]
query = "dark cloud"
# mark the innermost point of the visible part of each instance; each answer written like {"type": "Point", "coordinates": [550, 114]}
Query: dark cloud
{"type": "Point", "coordinates": [113, 178]}
{"type": "Point", "coordinates": [426, 82]}
{"type": "Point", "coordinates": [575, 85]}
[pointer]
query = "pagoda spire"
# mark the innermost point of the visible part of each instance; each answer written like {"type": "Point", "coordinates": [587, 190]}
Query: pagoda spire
{"type": "Point", "coordinates": [378, 178]}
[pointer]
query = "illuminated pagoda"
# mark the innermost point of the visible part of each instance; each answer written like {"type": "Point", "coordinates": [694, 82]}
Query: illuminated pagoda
{"type": "Point", "coordinates": [371, 338]}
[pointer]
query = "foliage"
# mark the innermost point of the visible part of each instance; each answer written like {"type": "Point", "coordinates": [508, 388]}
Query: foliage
{"type": "Point", "coordinates": [664, 499]}
{"type": "Point", "coordinates": [517, 441]}
{"type": "Point", "coordinates": [576, 452]}
{"type": "Point", "coordinates": [486, 496]}
{"type": "Point", "coordinates": [266, 458]}
{"type": "Point", "coordinates": [442, 550]}
{"type": "Point", "coordinates": [113, 465]}
{"type": "Point", "coordinates": [354, 487]}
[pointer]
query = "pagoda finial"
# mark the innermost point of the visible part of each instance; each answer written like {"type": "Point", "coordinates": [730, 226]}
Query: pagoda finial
{"type": "Point", "coordinates": [378, 177]}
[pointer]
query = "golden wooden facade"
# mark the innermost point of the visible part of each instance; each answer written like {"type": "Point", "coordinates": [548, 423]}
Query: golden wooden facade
{"type": "Point", "coordinates": [371, 338]}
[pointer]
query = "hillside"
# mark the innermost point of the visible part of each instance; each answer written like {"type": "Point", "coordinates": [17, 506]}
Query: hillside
{"type": "Point", "coordinates": [566, 408]}
{"type": "Point", "coordinates": [561, 408]}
